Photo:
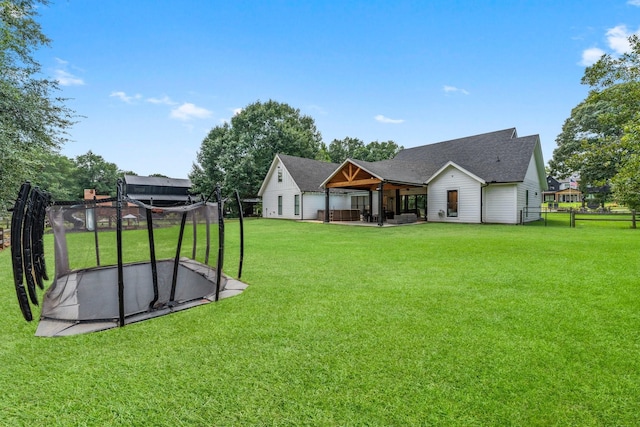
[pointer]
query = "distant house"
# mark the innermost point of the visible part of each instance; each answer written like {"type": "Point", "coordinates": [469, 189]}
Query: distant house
{"type": "Point", "coordinates": [291, 189]}
{"type": "Point", "coordinates": [553, 186]}
{"type": "Point", "coordinates": [495, 177]}
{"type": "Point", "coordinates": [158, 191]}
{"type": "Point", "coordinates": [562, 191]}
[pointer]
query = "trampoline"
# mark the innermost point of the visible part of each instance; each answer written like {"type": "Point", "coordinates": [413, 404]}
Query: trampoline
{"type": "Point", "coordinates": [118, 273]}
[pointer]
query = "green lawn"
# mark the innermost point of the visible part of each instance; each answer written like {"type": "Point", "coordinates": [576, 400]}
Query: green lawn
{"type": "Point", "coordinates": [431, 324]}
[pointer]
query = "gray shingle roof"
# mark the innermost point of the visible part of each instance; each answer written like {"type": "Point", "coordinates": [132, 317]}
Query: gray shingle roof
{"type": "Point", "coordinates": [307, 173]}
{"type": "Point", "coordinates": [157, 181]}
{"type": "Point", "coordinates": [393, 170]}
{"type": "Point", "coordinates": [499, 156]}
{"type": "Point", "coordinates": [495, 157]}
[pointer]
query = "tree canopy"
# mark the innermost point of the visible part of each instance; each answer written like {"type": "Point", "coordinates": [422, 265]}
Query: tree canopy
{"type": "Point", "coordinates": [66, 178]}
{"type": "Point", "coordinates": [93, 171]}
{"type": "Point", "coordinates": [32, 119]}
{"type": "Point", "coordinates": [601, 139]}
{"type": "Point", "coordinates": [353, 148]}
{"type": "Point", "coordinates": [237, 155]}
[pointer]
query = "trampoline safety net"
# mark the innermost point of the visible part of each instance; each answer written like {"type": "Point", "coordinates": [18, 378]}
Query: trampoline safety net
{"type": "Point", "coordinates": [118, 261]}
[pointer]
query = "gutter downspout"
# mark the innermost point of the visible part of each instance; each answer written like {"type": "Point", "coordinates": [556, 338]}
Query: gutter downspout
{"type": "Point", "coordinates": [482, 187]}
{"type": "Point", "coordinates": [302, 206]}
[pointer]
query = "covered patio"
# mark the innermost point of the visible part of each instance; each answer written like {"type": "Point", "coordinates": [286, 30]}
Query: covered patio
{"type": "Point", "coordinates": [400, 193]}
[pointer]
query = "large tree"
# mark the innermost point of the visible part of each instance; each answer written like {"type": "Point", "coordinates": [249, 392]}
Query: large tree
{"type": "Point", "coordinates": [626, 183]}
{"type": "Point", "coordinates": [384, 150]}
{"type": "Point", "coordinates": [32, 119]}
{"type": "Point", "coordinates": [58, 176]}
{"type": "Point", "coordinates": [353, 148]}
{"type": "Point", "coordinates": [94, 172]}
{"type": "Point", "coordinates": [348, 148]}
{"type": "Point", "coordinates": [589, 143]}
{"type": "Point", "coordinates": [237, 156]}
{"type": "Point", "coordinates": [600, 140]}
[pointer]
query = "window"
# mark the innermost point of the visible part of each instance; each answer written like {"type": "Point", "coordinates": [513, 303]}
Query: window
{"type": "Point", "coordinates": [279, 175]}
{"type": "Point", "coordinates": [296, 204]}
{"type": "Point", "coordinates": [452, 203]}
{"type": "Point", "coordinates": [279, 205]}
{"type": "Point", "coordinates": [359, 202]}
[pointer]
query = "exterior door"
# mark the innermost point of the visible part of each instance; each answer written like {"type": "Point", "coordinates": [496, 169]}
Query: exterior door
{"type": "Point", "coordinates": [452, 203]}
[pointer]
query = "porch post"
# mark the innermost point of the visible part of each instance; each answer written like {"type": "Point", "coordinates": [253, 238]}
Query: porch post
{"type": "Point", "coordinates": [370, 219]}
{"type": "Point", "coordinates": [326, 205]}
{"type": "Point", "coordinates": [398, 202]}
{"type": "Point", "coordinates": [380, 201]}
{"type": "Point", "coordinates": [426, 204]}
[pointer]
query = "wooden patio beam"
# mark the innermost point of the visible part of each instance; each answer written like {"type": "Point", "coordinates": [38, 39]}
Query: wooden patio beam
{"type": "Point", "coordinates": [356, 183]}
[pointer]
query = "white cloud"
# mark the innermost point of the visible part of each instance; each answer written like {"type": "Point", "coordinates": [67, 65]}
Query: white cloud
{"type": "Point", "coordinates": [382, 119]}
{"type": "Point", "coordinates": [64, 77]}
{"type": "Point", "coordinates": [188, 111]}
{"type": "Point", "coordinates": [453, 89]}
{"type": "Point", "coordinates": [122, 96]}
{"type": "Point", "coordinates": [634, 2]}
{"type": "Point", "coordinates": [618, 39]}
{"type": "Point", "coordinates": [590, 56]}
{"type": "Point", "coordinates": [67, 79]}
{"type": "Point", "coordinates": [237, 111]}
{"type": "Point", "coordinates": [165, 100]}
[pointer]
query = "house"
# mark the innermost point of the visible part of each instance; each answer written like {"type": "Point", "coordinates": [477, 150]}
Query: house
{"type": "Point", "coordinates": [496, 177]}
{"type": "Point", "coordinates": [553, 186]}
{"type": "Point", "coordinates": [291, 189]}
{"type": "Point", "coordinates": [565, 190]}
{"type": "Point", "coordinates": [158, 191]}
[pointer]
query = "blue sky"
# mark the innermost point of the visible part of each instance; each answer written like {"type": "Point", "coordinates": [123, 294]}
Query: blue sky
{"type": "Point", "coordinates": [153, 77]}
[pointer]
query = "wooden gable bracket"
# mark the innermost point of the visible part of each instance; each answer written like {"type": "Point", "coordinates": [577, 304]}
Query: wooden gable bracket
{"type": "Point", "coordinates": [351, 175]}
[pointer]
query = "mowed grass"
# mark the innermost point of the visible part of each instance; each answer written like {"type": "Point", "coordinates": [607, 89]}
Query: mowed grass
{"type": "Point", "coordinates": [431, 324]}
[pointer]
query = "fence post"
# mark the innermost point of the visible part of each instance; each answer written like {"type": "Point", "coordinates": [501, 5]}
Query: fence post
{"type": "Point", "coordinates": [572, 218]}
{"type": "Point", "coordinates": [546, 213]}
{"type": "Point", "coordinates": [633, 218]}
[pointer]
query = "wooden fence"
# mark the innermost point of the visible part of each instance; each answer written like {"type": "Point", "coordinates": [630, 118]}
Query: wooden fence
{"type": "Point", "coordinates": [602, 216]}
{"type": "Point", "coordinates": [5, 239]}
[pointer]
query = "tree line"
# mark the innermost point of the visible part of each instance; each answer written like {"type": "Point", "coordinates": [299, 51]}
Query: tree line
{"type": "Point", "coordinates": [66, 178]}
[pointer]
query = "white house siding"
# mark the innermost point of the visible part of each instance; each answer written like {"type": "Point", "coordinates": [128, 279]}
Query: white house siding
{"type": "Point", "coordinates": [287, 189]}
{"type": "Point", "coordinates": [468, 196]}
{"type": "Point", "coordinates": [310, 202]}
{"type": "Point", "coordinates": [532, 184]}
{"type": "Point", "coordinates": [313, 202]}
{"type": "Point", "coordinates": [499, 204]}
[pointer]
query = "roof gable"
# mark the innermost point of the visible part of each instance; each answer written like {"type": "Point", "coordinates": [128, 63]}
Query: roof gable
{"type": "Point", "coordinates": [463, 170]}
{"type": "Point", "coordinates": [308, 174]}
